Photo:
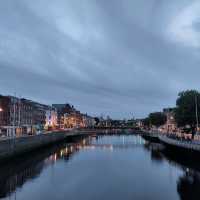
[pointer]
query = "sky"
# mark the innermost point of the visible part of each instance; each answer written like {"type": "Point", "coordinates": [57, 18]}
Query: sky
{"type": "Point", "coordinates": [119, 58]}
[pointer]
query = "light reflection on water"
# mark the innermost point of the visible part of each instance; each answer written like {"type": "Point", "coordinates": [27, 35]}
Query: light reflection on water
{"type": "Point", "coordinates": [103, 167]}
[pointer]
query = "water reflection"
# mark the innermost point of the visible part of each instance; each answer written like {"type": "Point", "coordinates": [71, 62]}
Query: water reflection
{"type": "Point", "coordinates": [14, 174]}
{"type": "Point", "coordinates": [188, 183]}
{"type": "Point", "coordinates": [103, 167]}
{"type": "Point", "coordinates": [10, 180]}
{"type": "Point", "coordinates": [155, 150]}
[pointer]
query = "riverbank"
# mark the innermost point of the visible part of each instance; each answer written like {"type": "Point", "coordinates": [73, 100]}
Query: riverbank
{"type": "Point", "coordinates": [189, 146]}
{"type": "Point", "coordinates": [10, 147]}
{"type": "Point", "coordinates": [150, 136]}
{"type": "Point", "coordinates": [173, 143]}
{"type": "Point", "coordinates": [93, 167]}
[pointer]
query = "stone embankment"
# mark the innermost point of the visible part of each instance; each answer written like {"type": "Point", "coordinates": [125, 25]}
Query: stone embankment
{"type": "Point", "coordinates": [187, 145]}
{"type": "Point", "coordinates": [10, 147]}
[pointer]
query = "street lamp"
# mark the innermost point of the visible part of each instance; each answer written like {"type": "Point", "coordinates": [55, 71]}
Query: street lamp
{"type": "Point", "coordinates": [1, 110]}
{"type": "Point", "coordinates": [196, 110]}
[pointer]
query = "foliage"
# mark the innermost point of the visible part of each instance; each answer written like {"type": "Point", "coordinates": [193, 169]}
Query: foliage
{"type": "Point", "coordinates": [157, 118]}
{"type": "Point", "coordinates": [97, 121]}
{"type": "Point", "coordinates": [185, 112]}
{"type": "Point", "coordinates": [146, 122]}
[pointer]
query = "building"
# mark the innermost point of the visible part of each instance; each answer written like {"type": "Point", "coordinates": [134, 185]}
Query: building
{"type": "Point", "coordinates": [36, 116]}
{"type": "Point", "coordinates": [139, 123]}
{"type": "Point", "coordinates": [51, 118]}
{"type": "Point", "coordinates": [10, 115]}
{"type": "Point", "coordinates": [25, 113]}
{"type": "Point", "coordinates": [5, 113]}
{"type": "Point", "coordinates": [105, 122]}
{"type": "Point", "coordinates": [63, 109]}
{"type": "Point", "coordinates": [170, 126]}
{"type": "Point", "coordinates": [88, 121]}
{"type": "Point", "coordinates": [69, 117]}
{"type": "Point", "coordinates": [21, 116]}
{"type": "Point", "coordinates": [73, 120]}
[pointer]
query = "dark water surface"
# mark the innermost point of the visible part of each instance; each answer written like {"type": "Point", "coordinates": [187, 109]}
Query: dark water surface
{"type": "Point", "coordinates": [103, 168]}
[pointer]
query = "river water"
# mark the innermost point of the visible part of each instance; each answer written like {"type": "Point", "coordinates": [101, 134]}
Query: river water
{"type": "Point", "coordinates": [124, 167]}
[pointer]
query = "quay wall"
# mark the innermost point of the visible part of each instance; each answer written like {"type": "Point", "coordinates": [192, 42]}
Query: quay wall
{"type": "Point", "coordinates": [191, 146]}
{"type": "Point", "coordinates": [10, 147]}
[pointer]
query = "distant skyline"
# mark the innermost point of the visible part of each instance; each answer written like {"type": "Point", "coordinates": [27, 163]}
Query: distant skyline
{"type": "Point", "coordinates": [119, 58]}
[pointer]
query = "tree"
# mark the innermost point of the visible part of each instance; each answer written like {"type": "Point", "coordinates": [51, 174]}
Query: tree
{"type": "Point", "coordinates": [97, 121]}
{"type": "Point", "coordinates": [146, 122]}
{"type": "Point", "coordinates": [187, 104]}
{"type": "Point", "coordinates": [157, 118]}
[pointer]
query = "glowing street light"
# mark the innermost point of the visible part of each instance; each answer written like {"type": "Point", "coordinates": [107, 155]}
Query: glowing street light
{"type": "Point", "coordinates": [1, 110]}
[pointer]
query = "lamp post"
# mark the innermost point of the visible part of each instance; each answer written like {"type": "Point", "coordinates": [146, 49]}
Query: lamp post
{"type": "Point", "coordinates": [196, 110]}
{"type": "Point", "coordinates": [1, 110]}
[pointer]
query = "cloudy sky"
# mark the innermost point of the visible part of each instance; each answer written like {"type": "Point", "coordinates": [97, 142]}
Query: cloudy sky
{"type": "Point", "coordinates": [119, 57]}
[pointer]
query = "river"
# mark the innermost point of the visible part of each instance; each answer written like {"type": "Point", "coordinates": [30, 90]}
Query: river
{"type": "Point", "coordinates": [124, 167]}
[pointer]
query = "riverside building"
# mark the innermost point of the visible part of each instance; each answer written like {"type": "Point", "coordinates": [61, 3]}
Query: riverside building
{"type": "Point", "coordinates": [19, 116]}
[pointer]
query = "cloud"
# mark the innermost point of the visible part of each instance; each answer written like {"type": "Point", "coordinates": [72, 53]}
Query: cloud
{"type": "Point", "coordinates": [184, 28]}
{"type": "Point", "coordinates": [121, 58]}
